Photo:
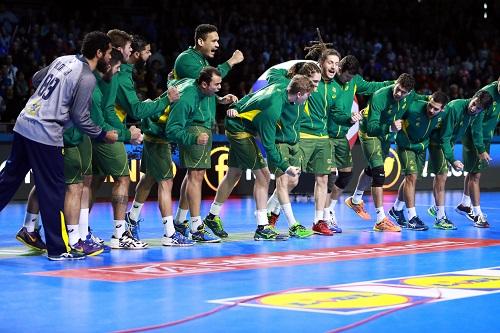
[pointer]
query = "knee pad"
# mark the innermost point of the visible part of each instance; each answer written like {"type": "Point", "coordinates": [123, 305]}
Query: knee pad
{"type": "Point", "coordinates": [368, 172]}
{"type": "Point", "coordinates": [331, 181]}
{"type": "Point", "coordinates": [343, 179]}
{"type": "Point", "coordinates": [378, 175]}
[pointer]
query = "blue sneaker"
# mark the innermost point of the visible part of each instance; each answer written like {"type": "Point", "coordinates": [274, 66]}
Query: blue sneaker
{"type": "Point", "coordinates": [268, 233]}
{"type": "Point", "coordinates": [71, 255]}
{"type": "Point", "coordinates": [177, 239]}
{"type": "Point", "coordinates": [183, 228]}
{"type": "Point", "coordinates": [399, 217]}
{"type": "Point", "coordinates": [133, 226]}
{"type": "Point", "coordinates": [416, 224]}
{"type": "Point", "coordinates": [87, 247]}
{"type": "Point", "coordinates": [98, 240]}
{"type": "Point", "coordinates": [203, 236]}
{"type": "Point", "coordinates": [333, 225]}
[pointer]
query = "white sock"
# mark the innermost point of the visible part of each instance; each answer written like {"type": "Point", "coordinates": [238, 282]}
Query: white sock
{"type": "Point", "coordinates": [466, 200]}
{"type": "Point", "coordinates": [135, 210]}
{"type": "Point", "coordinates": [398, 205]}
{"type": "Point", "coordinates": [272, 203]}
{"type": "Point", "coordinates": [440, 212]}
{"type": "Point", "coordinates": [318, 215]}
{"type": "Point", "coordinates": [73, 233]}
{"type": "Point", "coordinates": [195, 223]}
{"type": "Point", "coordinates": [476, 210]}
{"type": "Point", "coordinates": [287, 209]}
{"type": "Point", "coordinates": [30, 221]}
{"type": "Point", "coordinates": [332, 205]}
{"type": "Point", "coordinates": [380, 214]}
{"type": "Point", "coordinates": [119, 228]}
{"type": "Point", "coordinates": [168, 226]}
{"type": "Point", "coordinates": [357, 197]}
{"type": "Point", "coordinates": [84, 223]}
{"type": "Point", "coordinates": [180, 215]}
{"type": "Point", "coordinates": [326, 214]}
{"type": "Point", "coordinates": [261, 217]}
{"type": "Point", "coordinates": [215, 208]}
{"type": "Point", "coordinates": [412, 212]}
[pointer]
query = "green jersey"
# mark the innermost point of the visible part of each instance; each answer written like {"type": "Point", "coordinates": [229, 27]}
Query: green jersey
{"type": "Point", "coordinates": [316, 111]}
{"type": "Point", "coordinates": [492, 114]}
{"type": "Point", "coordinates": [108, 90]}
{"type": "Point", "coordinates": [190, 63]}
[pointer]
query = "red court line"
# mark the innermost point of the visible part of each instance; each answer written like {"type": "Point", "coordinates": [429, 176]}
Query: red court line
{"type": "Point", "coordinates": [200, 266]}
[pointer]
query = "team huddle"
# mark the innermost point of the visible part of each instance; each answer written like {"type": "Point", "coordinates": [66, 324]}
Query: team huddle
{"type": "Point", "coordinates": [72, 131]}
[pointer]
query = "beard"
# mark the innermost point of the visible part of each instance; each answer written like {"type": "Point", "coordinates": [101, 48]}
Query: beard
{"type": "Point", "coordinates": [102, 66]}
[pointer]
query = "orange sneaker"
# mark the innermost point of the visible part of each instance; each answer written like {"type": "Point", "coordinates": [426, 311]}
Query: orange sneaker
{"type": "Point", "coordinates": [358, 208]}
{"type": "Point", "coordinates": [387, 226]}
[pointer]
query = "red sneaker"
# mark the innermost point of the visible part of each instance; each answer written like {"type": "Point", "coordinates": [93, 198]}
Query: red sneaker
{"type": "Point", "coordinates": [321, 228]}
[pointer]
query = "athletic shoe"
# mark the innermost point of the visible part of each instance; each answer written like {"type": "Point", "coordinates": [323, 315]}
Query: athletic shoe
{"type": "Point", "coordinates": [386, 225]}
{"type": "Point", "coordinates": [133, 226]}
{"type": "Point", "coordinates": [444, 224]}
{"type": "Point", "coordinates": [99, 240]}
{"type": "Point", "coordinates": [183, 228]}
{"type": "Point", "coordinates": [127, 242]}
{"type": "Point", "coordinates": [481, 222]}
{"type": "Point", "coordinates": [204, 236]}
{"type": "Point", "coordinates": [177, 239]}
{"type": "Point", "coordinates": [272, 219]}
{"type": "Point", "coordinates": [465, 211]}
{"type": "Point", "coordinates": [32, 240]}
{"type": "Point", "coordinates": [399, 217]}
{"type": "Point", "coordinates": [432, 211]}
{"type": "Point", "coordinates": [333, 224]}
{"type": "Point", "coordinates": [267, 233]}
{"type": "Point", "coordinates": [299, 231]}
{"type": "Point", "coordinates": [358, 208]}
{"type": "Point", "coordinates": [87, 247]}
{"type": "Point", "coordinates": [71, 255]}
{"type": "Point", "coordinates": [416, 224]}
{"type": "Point", "coordinates": [321, 228]}
{"type": "Point", "coordinates": [215, 225]}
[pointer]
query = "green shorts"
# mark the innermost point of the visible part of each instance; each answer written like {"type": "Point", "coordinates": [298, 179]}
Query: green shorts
{"type": "Point", "coordinates": [316, 156]}
{"type": "Point", "coordinates": [244, 152]}
{"type": "Point", "coordinates": [437, 162]}
{"type": "Point", "coordinates": [86, 154]}
{"type": "Point", "coordinates": [411, 162]}
{"type": "Point", "coordinates": [196, 156]}
{"type": "Point", "coordinates": [472, 163]}
{"type": "Point", "coordinates": [341, 153]}
{"type": "Point", "coordinates": [109, 159]}
{"type": "Point", "coordinates": [374, 150]}
{"type": "Point", "coordinates": [72, 166]}
{"type": "Point", "coordinates": [156, 160]}
{"type": "Point", "coordinates": [290, 153]}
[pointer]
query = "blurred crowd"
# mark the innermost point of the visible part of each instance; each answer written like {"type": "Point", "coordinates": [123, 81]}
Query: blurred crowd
{"type": "Point", "coordinates": [447, 45]}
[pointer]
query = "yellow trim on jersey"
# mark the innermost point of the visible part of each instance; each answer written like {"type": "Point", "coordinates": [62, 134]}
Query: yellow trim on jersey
{"type": "Point", "coordinates": [239, 135]}
{"type": "Point", "coordinates": [120, 113]}
{"type": "Point", "coordinates": [249, 115]}
{"type": "Point", "coordinates": [164, 117]}
{"type": "Point", "coordinates": [306, 108]}
{"type": "Point", "coordinates": [311, 136]}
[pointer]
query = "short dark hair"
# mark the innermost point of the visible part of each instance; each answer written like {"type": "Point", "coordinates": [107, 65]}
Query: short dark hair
{"type": "Point", "coordinates": [116, 57]}
{"type": "Point", "coordinates": [485, 99]}
{"type": "Point", "coordinates": [406, 81]}
{"type": "Point", "coordinates": [94, 41]}
{"type": "Point", "coordinates": [202, 31]}
{"type": "Point", "coordinates": [349, 64]}
{"type": "Point", "coordinates": [119, 38]}
{"type": "Point", "coordinates": [300, 83]}
{"type": "Point", "coordinates": [440, 97]}
{"type": "Point", "coordinates": [207, 73]}
{"type": "Point", "coordinates": [303, 68]}
{"type": "Point", "coordinates": [328, 52]}
{"type": "Point", "coordinates": [138, 43]}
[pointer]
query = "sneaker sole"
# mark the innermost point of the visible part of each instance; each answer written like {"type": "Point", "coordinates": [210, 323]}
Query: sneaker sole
{"type": "Point", "coordinates": [364, 217]}
{"type": "Point", "coordinates": [64, 259]}
{"type": "Point", "coordinates": [209, 241]}
{"type": "Point", "coordinates": [446, 229]}
{"type": "Point", "coordinates": [31, 246]}
{"type": "Point", "coordinates": [298, 236]}
{"type": "Point", "coordinates": [322, 234]}
{"type": "Point", "coordinates": [383, 230]}
{"type": "Point", "coordinates": [118, 247]}
{"type": "Point", "coordinates": [95, 253]}
{"type": "Point", "coordinates": [270, 239]}
{"type": "Point", "coordinates": [176, 245]}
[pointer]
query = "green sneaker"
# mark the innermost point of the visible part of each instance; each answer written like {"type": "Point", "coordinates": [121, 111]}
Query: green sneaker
{"type": "Point", "coordinates": [432, 211]}
{"type": "Point", "coordinates": [215, 225]}
{"type": "Point", "coordinates": [299, 231]}
{"type": "Point", "coordinates": [444, 224]}
{"type": "Point", "coordinates": [268, 233]}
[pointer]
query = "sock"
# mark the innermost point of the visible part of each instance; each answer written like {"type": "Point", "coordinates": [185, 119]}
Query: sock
{"type": "Point", "coordinates": [412, 212]}
{"type": "Point", "coordinates": [272, 203]}
{"type": "Point", "coordinates": [398, 205]}
{"type": "Point", "coordinates": [215, 208]}
{"type": "Point", "coordinates": [30, 221]}
{"type": "Point", "coordinates": [476, 210]}
{"type": "Point", "coordinates": [466, 200]}
{"type": "Point", "coordinates": [73, 233]}
{"type": "Point", "coordinates": [318, 215]}
{"type": "Point", "coordinates": [135, 210]}
{"type": "Point", "coordinates": [380, 214]}
{"type": "Point", "coordinates": [181, 215]}
{"type": "Point", "coordinates": [326, 214]}
{"type": "Point", "coordinates": [195, 223]}
{"type": "Point", "coordinates": [168, 226]}
{"type": "Point", "coordinates": [287, 209]}
{"type": "Point", "coordinates": [440, 212]}
{"type": "Point", "coordinates": [261, 216]}
{"type": "Point", "coordinates": [119, 228]}
{"type": "Point", "coordinates": [332, 206]}
{"type": "Point", "coordinates": [357, 197]}
{"type": "Point", "coordinates": [84, 223]}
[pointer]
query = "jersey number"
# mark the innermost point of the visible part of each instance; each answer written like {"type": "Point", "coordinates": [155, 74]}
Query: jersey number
{"type": "Point", "coordinates": [48, 86]}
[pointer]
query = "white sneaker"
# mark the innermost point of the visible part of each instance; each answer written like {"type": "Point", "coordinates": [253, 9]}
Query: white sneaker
{"type": "Point", "coordinates": [177, 239]}
{"type": "Point", "coordinates": [127, 242]}
{"type": "Point", "coordinates": [332, 223]}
